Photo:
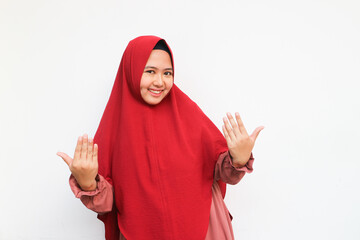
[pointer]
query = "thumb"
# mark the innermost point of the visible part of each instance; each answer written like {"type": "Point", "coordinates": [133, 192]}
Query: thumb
{"type": "Point", "coordinates": [256, 132]}
{"type": "Point", "coordinates": [68, 160]}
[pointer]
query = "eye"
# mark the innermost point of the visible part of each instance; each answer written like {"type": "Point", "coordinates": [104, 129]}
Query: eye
{"type": "Point", "coordinates": [150, 71]}
{"type": "Point", "coordinates": [168, 73]}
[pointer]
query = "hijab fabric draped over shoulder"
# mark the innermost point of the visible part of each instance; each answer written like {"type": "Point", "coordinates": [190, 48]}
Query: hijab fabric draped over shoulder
{"type": "Point", "coordinates": [160, 158]}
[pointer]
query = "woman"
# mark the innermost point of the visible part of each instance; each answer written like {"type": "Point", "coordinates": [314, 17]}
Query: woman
{"type": "Point", "coordinates": [158, 165]}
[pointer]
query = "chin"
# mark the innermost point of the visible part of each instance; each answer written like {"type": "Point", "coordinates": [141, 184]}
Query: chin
{"type": "Point", "coordinates": [153, 101]}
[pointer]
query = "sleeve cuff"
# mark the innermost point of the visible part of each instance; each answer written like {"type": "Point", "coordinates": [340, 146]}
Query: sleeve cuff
{"type": "Point", "coordinates": [248, 167]}
{"type": "Point", "coordinates": [78, 192]}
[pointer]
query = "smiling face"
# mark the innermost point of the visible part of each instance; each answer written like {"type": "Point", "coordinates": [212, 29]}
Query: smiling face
{"type": "Point", "coordinates": [157, 78]}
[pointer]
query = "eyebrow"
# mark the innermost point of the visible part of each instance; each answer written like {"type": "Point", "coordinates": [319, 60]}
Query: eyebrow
{"type": "Point", "coordinates": [157, 68]}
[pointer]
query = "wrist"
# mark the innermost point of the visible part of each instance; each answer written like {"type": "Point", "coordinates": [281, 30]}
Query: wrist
{"type": "Point", "coordinates": [237, 163]}
{"type": "Point", "coordinates": [91, 186]}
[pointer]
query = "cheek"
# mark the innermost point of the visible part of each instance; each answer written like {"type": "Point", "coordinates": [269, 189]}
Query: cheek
{"type": "Point", "coordinates": [144, 82]}
{"type": "Point", "coordinates": [143, 85]}
{"type": "Point", "coordinates": [170, 84]}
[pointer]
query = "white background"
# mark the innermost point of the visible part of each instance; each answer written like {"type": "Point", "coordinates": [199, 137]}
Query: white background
{"type": "Point", "coordinates": [292, 66]}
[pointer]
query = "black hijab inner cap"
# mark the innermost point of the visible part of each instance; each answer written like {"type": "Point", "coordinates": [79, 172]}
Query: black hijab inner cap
{"type": "Point", "coordinates": [161, 45]}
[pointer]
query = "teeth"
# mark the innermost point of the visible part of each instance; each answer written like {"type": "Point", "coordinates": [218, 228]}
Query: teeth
{"type": "Point", "coordinates": [157, 92]}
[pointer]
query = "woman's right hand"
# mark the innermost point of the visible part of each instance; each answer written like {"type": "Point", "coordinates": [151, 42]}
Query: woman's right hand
{"type": "Point", "coordinates": [84, 166]}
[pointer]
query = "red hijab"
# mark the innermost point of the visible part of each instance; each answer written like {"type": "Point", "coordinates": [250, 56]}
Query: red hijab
{"type": "Point", "coordinates": [160, 158]}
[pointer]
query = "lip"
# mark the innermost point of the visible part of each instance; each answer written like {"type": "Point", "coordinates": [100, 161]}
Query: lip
{"type": "Point", "coordinates": [155, 89]}
{"type": "Point", "coordinates": [155, 94]}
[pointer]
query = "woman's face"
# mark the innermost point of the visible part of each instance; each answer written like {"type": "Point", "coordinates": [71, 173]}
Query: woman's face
{"type": "Point", "coordinates": [157, 78]}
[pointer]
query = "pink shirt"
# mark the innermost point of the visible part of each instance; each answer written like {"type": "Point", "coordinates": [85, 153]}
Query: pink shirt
{"type": "Point", "coordinates": [101, 199]}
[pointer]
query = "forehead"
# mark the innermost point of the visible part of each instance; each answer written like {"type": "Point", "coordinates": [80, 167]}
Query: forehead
{"type": "Point", "coordinates": [159, 57]}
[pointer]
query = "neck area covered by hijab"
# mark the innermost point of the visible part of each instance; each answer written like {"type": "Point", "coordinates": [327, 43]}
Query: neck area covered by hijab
{"type": "Point", "coordinates": [160, 159]}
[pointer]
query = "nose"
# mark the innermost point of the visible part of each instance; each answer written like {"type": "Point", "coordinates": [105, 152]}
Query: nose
{"type": "Point", "coordinates": [158, 81]}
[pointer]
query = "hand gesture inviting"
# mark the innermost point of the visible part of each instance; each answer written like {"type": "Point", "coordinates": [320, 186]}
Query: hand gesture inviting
{"type": "Point", "coordinates": [240, 144]}
{"type": "Point", "coordinates": [84, 166]}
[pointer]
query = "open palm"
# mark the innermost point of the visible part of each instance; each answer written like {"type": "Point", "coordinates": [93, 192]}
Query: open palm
{"type": "Point", "coordinates": [84, 166]}
{"type": "Point", "coordinates": [239, 142]}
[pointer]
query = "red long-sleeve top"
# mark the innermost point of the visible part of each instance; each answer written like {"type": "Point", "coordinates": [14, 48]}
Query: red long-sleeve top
{"type": "Point", "coordinates": [101, 199]}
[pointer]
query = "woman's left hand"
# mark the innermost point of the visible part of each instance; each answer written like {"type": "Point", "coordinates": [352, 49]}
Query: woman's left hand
{"type": "Point", "coordinates": [239, 142]}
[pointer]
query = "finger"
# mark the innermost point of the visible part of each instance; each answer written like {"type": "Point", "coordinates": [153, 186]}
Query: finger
{"type": "Point", "coordinates": [234, 126]}
{"type": "Point", "coordinates": [241, 124]}
{"type": "Point", "coordinates": [229, 129]}
{"type": "Point", "coordinates": [65, 157]}
{"type": "Point", "coordinates": [78, 148]}
{"type": "Point", "coordinates": [90, 149]}
{"type": "Point", "coordinates": [227, 137]}
{"type": "Point", "coordinates": [95, 154]}
{"type": "Point", "coordinates": [256, 132]}
{"type": "Point", "coordinates": [84, 147]}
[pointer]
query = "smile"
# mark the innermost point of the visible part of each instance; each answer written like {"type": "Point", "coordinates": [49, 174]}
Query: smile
{"type": "Point", "coordinates": [155, 92]}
